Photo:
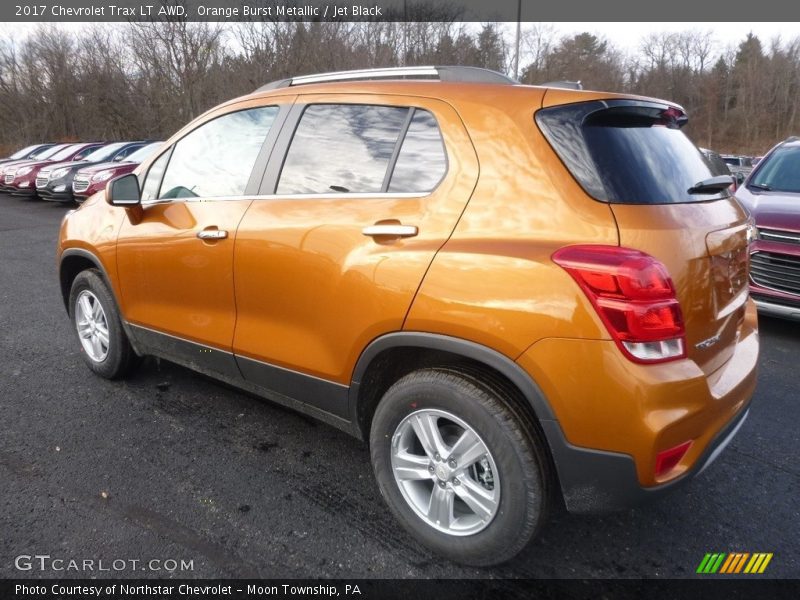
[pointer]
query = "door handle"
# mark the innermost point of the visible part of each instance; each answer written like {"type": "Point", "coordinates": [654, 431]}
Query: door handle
{"type": "Point", "coordinates": [212, 234]}
{"type": "Point", "coordinates": [393, 230]}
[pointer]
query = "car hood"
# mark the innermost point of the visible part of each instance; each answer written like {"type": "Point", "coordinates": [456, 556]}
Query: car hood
{"type": "Point", "coordinates": [772, 210]}
{"type": "Point", "coordinates": [96, 168]}
{"type": "Point", "coordinates": [66, 164]}
{"type": "Point", "coordinates": [20, 163]}
{"type": "Point", "coordinates": [30, 163]}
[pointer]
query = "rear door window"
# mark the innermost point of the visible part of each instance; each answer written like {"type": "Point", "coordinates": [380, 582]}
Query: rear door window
{"type": "Point", "coordinates": [627, 152]}
{"type": "Point", "coordinates": [341, 148]}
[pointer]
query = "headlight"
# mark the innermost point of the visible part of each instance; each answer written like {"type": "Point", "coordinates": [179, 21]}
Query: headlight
{"type": "Point", "coordinates": [752, 233]}
{"type": "Point", "coordinates": [23, 171]}
{"type": "Point", "coordinates": [103, 175]}
{"type": "Point", "coordinates": [58, 173]}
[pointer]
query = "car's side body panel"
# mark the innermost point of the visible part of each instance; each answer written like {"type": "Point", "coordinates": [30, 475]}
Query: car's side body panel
{"type": "Point", "coordinates": [297, 302]}
{"type": "Point", "coordinates": [312, 289]}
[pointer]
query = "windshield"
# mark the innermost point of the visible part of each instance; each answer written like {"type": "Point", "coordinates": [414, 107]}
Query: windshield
{"type": "Point", "coordinates": [65, 153]}
{"type": "Point", "coordinates": [105, 153]}
{"type": "Point", "coordinates": [780, 172]}
{"type": "Point", "coordinates": [23, 153]}
{"type": "Point", "coordinates": [144, 153]}
{"type": "Point", "coordinates": [628, 152]}
{"type": "Point", "coordinates": [49, 152]}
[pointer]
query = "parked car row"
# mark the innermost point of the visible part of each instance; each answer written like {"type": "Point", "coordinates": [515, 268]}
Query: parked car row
{"type": "Point", "coordinates": [738, 164]}
{"type": "Point", "coordinates": [70, 172]}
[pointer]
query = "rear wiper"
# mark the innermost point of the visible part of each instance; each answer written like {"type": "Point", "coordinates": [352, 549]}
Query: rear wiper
{"type": "Point", "coordinates": [714, 184]}
{"type": "Point", "coordinates": [760, 186]}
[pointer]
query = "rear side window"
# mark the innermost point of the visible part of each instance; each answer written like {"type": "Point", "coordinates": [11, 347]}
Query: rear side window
{"type": "Point", "coordinates": [627, 152]}
{"type": "Point", "coordinates": [422, 161]}
{"type": "Point", "coordinates": [351, 148]}
{"type": "Point", "coordinates": [217, 158]}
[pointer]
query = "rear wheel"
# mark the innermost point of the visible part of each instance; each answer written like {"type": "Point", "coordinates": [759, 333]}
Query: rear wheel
{"type": "Point", "coordinates": [96, 322]}
{"type": "Point", "coordinates": [457, 468]}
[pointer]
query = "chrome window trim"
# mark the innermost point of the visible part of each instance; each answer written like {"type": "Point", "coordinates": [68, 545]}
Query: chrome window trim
{"type": "Point", "coordinates": [331, 196]}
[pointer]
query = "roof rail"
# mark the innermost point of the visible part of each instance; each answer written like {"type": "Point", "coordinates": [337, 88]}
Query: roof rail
{"type": "Point", "coordinates": [567, 85]}
{"type": "Point", "coordinates": [463, 74]}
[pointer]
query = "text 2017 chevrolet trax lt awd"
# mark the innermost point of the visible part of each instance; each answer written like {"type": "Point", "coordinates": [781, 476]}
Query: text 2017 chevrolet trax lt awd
{"type": "Point", "coordinates": [511, 292]}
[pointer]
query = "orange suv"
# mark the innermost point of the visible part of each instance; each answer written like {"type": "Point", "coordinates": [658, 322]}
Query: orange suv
{"type": "Point", "coordinates": [514, 293]}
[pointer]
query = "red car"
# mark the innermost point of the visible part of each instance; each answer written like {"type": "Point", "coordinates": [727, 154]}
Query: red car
{"type": "Point", "coordinates": [772, 195]}
{"type": "Point", "coordinates": [90, 180]}
{"type": "Point", "coordinates": [10, 167]}
{"type": "Point", "coordinates": [22, 179]}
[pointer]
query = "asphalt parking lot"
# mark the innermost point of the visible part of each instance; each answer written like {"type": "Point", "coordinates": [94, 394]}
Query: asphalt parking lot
{"type": "Point", "coordinates": [170, 465]}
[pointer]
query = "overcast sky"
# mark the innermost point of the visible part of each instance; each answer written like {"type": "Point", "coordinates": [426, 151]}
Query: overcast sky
{"type": "Point", "coordinates": [626, 36]}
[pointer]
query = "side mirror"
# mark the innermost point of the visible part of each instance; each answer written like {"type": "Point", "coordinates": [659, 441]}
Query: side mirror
{"type": "Point", "coordinates": [123, 191]}
{"type": "Point", "coordinates": [739, 179]}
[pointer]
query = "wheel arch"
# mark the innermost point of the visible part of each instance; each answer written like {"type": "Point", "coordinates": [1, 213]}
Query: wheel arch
{"type": "Point", "coordinates": [391, 356]}
{"type": "Point", "coordinates": [73, 261]}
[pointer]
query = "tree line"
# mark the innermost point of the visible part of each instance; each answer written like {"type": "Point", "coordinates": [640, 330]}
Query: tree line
{"type": "Point", "coordinates": [146, 80]}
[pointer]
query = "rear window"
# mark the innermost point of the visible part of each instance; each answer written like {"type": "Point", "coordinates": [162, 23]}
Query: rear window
{"type": "Point", "coordinates": [627, 152]}
{"type": "Point", "coordinates": [718, 166]}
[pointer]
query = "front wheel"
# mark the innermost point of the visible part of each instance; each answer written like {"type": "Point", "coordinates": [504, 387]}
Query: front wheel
{"type": "Point", "coordinates": [457, 468]}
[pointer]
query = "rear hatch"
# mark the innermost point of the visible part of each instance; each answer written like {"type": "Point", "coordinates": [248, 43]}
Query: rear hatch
{"type": "Point", "coordinates": [632, 154]}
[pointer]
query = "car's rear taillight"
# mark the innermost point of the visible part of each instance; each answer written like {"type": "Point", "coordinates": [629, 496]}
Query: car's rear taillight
{"type": "Point", "coordinates": [634, 296]}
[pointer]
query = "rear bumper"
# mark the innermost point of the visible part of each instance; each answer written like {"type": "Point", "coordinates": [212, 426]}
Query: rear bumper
{"type": "Point", "coordinates": [613, 417]}
{"type": "Point", "coordinates": [593, 481]}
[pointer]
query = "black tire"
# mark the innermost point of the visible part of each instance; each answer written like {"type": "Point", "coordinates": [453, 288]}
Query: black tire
{"type": "Point", "coordinates": [120, 359]}
{"type": "Point", "coordinates": [516, 450]}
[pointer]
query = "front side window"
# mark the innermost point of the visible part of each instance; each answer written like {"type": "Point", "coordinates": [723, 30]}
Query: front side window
{"type": "Point", "coordinates": [154, 175]}
{"type": "Point", "coordinates": [216, 159]}
{"type": "Point", "coordinates": [341, 148]}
